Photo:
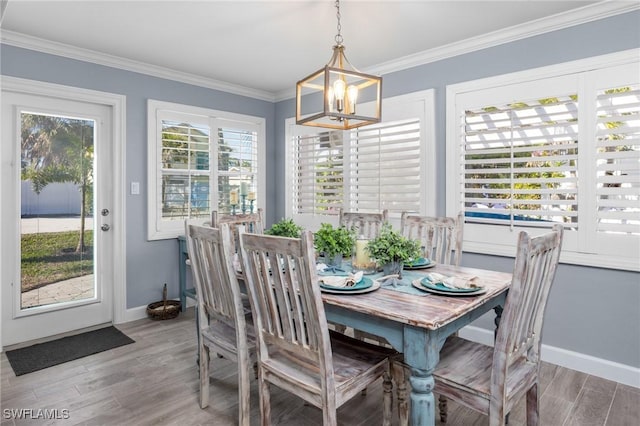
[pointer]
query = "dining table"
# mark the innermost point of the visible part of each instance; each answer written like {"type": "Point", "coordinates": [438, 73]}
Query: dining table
{"type": "Point", "coordinates": [417, 324]}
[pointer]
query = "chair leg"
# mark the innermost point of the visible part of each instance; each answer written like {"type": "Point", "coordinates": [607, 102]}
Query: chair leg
{"type": "Point", "coordinates": [533, 406]}
{"type": "Point", "coordinates": [244, 407]}
{"type": "Point", "coordinates": [204, 375]}
{"type": "Point", "coordinates": [442, 406]}
{"type": "Point", "coordinates": [329, 412]}
{"type": "Point", "coordinates": [387, 395]}
{"type": "Point", "coordinates": [265, 401]}
{"type": "Point", "coordinates": [400, 375]}
{"type": "Point", "coordinates": [357, 334]}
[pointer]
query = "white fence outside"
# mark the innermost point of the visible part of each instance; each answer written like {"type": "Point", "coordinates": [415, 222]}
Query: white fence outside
{"type": "Point", "coordinates": [54, 199]}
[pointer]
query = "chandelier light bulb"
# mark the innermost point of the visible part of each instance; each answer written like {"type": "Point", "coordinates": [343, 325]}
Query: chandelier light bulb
{"type": "Point", "coordinates": [352, 94]}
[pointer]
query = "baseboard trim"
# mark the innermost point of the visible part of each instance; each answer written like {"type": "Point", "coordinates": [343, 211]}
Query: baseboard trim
{"type": "Point", "coordinates": [599, 367]}
{"type": "Point", "coordinates": [140, 312]}
{"type": "Point", "coordinates": [134, 314]}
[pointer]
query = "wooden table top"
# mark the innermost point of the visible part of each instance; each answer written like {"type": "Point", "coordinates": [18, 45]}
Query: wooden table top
{"type": "Point", "coordinates": [430, 311]}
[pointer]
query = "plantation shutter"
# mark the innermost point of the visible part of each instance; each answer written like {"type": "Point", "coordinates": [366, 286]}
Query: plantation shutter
{"type": "Point", "coordinates": [520, 162]}
{"type": "Point", "coordinates": [618, 160]}
{"type": "Point", "coordinates": [384, 167]}
{"type": "Point", "coordinates": [237, 146]}
{"type": "Point", "coordinates": [318, 173]}
{"type": "Point", "coordinates": [185, 170]}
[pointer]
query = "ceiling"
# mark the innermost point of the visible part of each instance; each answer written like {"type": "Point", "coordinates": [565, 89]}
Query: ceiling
{"type": "Point", "coordinates": [268, 45]}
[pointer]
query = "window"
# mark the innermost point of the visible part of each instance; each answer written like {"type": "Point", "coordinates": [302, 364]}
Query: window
{"type": "Point", "coordinates": [201, 160]}
{"type": "Point", "coordinates": [520, 161]}
{"type": "Point", "coordinates": [386, 170]}
{"type": "Point", "coordinates": [368, 169]}
{"type": "Point", "coordinates": [319, 177]}
{"type": "Point", "coordinates": [550, 146]}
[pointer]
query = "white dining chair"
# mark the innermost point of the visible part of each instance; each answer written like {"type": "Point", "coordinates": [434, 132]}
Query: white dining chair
{"type": "Point", "coordinates": [296, 350]}
{"type": "Point", "coordinates": [224, 324]}
{"type": "Point", "coordinates": [441, 240]}
{"type": "Point", "coordinates": [253, 222]}
{"type": "Point", "coordinates": [440, 236]}
{"type": "Point", "coordinates": [492, 380]}
{"type": "Point", "coordinates": [366, 224]}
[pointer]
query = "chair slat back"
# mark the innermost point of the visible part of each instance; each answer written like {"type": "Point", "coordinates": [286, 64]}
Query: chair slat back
{"type": "Point", "coordinates": [252, 222]}
{"type": "Point", "coordinates": [217, 289]}
{"type": "Point", "coordinates": [520, 328]}
{"type": "Point", "coordinates": [286, 301]}
{"type": "Point", "coordinates": [441, 237]}
{"type": "Point", "coordinates": [366, 224]}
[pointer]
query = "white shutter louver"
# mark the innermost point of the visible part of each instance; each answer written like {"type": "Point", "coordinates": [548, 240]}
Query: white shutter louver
{"type": "Point", "coordinates": [618, 160]}
{"type": "Point", "coordinates": [185, 170]}
{"type": "Point", "coordinates": [318, 168]}
{"type": "Point", "coordinates": [237, 165]}
{"type": "Point", "coordinates": [385, 170]}
{"type": "Point", "coordinates": [520, 162]}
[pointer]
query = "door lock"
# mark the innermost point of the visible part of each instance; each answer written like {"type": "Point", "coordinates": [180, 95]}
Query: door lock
{"type": "Point", "coordinates": [105, 212]}
{"type": "Point", "coordinates": [105, 227]}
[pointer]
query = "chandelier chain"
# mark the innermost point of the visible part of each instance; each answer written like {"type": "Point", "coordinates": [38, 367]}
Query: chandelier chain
{"type": "Point", "coordinates": [339, 27]}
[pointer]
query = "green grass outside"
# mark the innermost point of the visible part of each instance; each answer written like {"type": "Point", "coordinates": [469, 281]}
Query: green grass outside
{"type": "Point", "coordinates": [50, 257]}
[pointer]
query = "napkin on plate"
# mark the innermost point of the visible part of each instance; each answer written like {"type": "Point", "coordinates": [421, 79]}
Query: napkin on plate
{"type": "Point", "coordinates": [341, 281]}
{"type": "Point", "coordinates": [453, 282]}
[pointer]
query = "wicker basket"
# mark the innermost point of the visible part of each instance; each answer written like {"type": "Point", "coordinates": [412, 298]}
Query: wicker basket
{"type": "Point", "coordinates": [165, 309]}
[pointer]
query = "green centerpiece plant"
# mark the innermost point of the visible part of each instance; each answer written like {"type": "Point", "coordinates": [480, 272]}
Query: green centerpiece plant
{"type": "Point", "coordinates": [285, 228]}
{"type": "Point", "coordinates": [334, 243]}
{"type": "Point", "coordinates": [391, 250]}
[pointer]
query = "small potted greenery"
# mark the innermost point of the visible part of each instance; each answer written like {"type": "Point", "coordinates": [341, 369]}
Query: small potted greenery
{"type": "Point", "coordinates": [285, 228]}
{"type": "Point", "coordinates": [391, 250]}
{"type": "Point", "coordinates": [334, 243]}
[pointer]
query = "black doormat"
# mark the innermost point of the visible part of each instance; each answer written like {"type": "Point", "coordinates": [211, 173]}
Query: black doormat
{"type": "Point", "coordinates": [45, 355]}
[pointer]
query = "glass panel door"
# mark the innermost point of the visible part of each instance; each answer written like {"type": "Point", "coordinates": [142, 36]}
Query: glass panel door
{"type": "Point", "coordinates": [57, 183]}
{"type": "Point", "coordinates": [57, 170]}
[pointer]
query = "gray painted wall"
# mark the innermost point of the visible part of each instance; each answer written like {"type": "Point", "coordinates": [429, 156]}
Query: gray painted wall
{"type": "Point", "coordinates": [592, 311]}
{"type": "Point", "coordinates": [149, 263]}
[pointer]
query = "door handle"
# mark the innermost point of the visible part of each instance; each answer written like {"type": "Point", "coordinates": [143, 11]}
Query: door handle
{"type": "Point", "coordinates": [105, 227]}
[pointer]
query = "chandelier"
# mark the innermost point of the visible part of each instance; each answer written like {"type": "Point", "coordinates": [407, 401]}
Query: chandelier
{"type": "Point", "coordinates": [338, 96]}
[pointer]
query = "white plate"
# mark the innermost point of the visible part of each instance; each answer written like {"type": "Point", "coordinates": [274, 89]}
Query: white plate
{"type": "Point", "coordinates": [419, 286]}
{"type": "Point", "coordinates": [374, 287]}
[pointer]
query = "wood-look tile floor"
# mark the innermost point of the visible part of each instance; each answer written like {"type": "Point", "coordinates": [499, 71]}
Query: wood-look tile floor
{"type": "Point", "coordinates": [155, 382]}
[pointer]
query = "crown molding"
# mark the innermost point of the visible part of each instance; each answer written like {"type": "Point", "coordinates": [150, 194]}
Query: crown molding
{"type": "Point", "coordinates": [560, 21]}
{"type": "Point", "coordinates": [556, 22]}
{"type": "Point", "coordinates": [16, 39]}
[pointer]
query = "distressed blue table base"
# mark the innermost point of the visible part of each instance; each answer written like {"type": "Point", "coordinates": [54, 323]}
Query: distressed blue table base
{"type": "Point", "coordinates": [182, 273]}
{"type": "Point", "coordinates": [420, 346]}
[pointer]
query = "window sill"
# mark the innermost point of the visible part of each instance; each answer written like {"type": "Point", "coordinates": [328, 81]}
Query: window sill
{"type": "Point", "coordinates": [567, 257]}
